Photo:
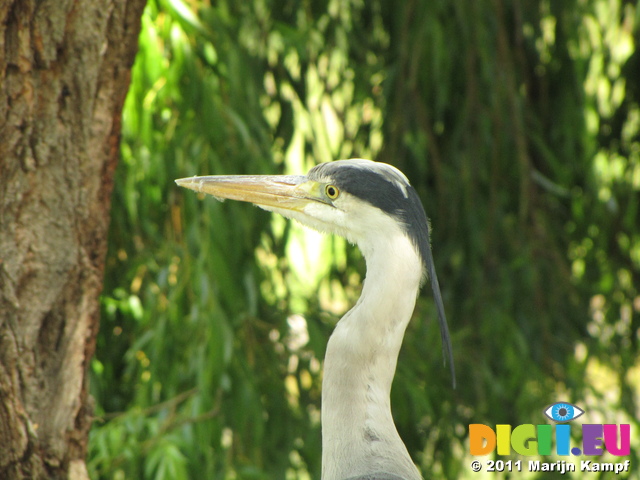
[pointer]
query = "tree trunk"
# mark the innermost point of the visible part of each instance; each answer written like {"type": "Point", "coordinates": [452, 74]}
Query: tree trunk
{"type": "Point", "coordinates": [64, 74]}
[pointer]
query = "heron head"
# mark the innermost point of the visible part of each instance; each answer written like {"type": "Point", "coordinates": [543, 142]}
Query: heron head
{"type": "Point", "coordinates": [358, 199]}
{"type": "Point", "coordinates": [364, 201]}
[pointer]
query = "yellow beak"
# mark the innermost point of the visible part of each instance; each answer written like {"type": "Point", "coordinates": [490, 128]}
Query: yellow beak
{"type": "Point", "coordinates": [290, 192]}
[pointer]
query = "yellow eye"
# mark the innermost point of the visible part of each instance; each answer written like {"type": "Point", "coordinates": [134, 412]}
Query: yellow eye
{"type": "Point", "coordinates": [332, 191]}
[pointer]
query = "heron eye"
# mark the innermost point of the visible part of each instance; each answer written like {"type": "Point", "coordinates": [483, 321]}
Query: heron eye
{"type": "Point", "coordinates": [332, 191]}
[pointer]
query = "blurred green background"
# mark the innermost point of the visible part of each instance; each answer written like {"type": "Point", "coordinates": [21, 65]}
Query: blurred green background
{"type": "Point", "coordinates": [518, 122]}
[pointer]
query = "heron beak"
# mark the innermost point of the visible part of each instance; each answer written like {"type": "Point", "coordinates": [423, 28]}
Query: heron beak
{"type": "Point", "coordinates": [289, 192]}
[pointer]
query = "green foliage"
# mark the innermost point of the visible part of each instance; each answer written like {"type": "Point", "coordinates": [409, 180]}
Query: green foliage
{"type": "Point", "coordinates": [518, 124]}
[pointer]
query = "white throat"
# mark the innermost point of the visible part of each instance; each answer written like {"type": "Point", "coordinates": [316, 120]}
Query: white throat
{"type": "Point", "coordinates": [358, 433]}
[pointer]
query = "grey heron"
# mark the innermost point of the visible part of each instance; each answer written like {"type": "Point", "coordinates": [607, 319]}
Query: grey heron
{"type": "Point", "coordinates": [372, 205]}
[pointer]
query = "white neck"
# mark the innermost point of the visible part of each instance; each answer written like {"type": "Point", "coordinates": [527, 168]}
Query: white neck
{"type": "Point", "coordinates": [358, 433]}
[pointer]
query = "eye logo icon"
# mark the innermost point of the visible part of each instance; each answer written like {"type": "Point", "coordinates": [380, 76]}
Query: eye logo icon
{"type": "Point", "coordinates": [562, 412]}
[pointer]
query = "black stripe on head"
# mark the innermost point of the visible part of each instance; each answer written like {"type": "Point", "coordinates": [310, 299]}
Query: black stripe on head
{"type": "Point", "coordinates": [383, 187]}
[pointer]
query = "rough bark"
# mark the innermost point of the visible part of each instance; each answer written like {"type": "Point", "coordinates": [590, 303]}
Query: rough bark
{"type": "Point", "coordinates": [64, 73]}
